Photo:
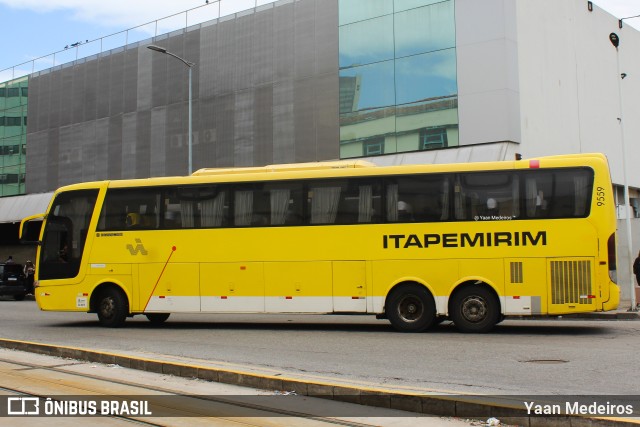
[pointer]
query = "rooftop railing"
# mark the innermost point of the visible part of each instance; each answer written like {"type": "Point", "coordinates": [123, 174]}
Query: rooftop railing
{"type": "Point", "coordinates": [182, 21]}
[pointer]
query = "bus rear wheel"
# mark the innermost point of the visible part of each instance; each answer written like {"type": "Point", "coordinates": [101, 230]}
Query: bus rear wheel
{"type": "Point", "coordinates": [474, 309]}
{"type": "Point", "coordinates": [411, 308]}
{"type": "Point", "coordinates": [112, 308]}
{"type": "Point", "coordinates": [157, 318]}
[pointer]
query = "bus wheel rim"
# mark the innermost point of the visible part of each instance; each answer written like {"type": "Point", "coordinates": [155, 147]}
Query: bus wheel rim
{"type": "Point", "coordinates": [107, 307]}
{"type": "Point", "coordinates": [410, 308]}
{"type": "Point", "coordinates": [474, 309]}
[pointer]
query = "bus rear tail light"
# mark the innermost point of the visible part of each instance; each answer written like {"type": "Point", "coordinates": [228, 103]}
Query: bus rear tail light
{"type": "Point", "coordinates": [611, 249]}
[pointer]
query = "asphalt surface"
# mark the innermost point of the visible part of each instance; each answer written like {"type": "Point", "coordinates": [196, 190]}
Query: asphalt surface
{"type": "Point", "coordinates": [442, 403]}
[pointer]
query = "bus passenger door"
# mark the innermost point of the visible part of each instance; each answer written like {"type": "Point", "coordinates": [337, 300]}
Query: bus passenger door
{"type": "Point", "coordinates": [167, 288]}
{"type": "Point", "coordinates": [349, 287]}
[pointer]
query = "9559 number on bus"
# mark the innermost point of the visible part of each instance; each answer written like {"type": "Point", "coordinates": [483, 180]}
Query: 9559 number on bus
{"type": "Point", "coordinates": [600, 196]}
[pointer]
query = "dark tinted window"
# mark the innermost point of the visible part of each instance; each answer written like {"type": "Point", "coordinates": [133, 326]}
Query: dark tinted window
{"type": "Point", "coordinates": [473, 196]}
{"type": "Point", "coordinates": [418, 198]}
{"type": "Point", "coordinates": [558, 193]}
{"type": "Point", "coordinates": [130, 209]}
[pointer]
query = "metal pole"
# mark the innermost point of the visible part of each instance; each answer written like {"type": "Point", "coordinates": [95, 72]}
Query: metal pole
{"type": "Point", "coordinates": [189, 65]}
{"type": "Point", "coordinates": [626, 187]}
{"type": "Point", "coordinates": [190, 128]}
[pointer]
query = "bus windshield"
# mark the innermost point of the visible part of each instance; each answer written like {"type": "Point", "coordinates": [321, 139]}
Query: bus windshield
{"type": "Point", "coordinates": [65, 234]}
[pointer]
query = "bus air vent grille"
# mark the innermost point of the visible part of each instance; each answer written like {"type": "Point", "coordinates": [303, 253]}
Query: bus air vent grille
{"type": "Point", "coordinates": [571, 282]}
{"type": "Point", "coordinates": [516, 272]}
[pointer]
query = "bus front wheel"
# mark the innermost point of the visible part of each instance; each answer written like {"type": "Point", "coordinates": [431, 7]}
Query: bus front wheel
{"type": "Point", "coordinates": [113, 308]}
{"type": "Point", "coordinates": [474, 309]}
{"type": "Point", "coordinates": [411, 308]}
{"type": "Point", "coordinates": [157, 318]}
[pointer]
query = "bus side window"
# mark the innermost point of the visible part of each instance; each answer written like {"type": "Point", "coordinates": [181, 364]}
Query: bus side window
{"type": "Point", "coordinates": [130, 208]}
{"type": "Point", "coordinates": [368, 208]}
{"type": "Point", "coordinates": [242, 207]}
{"type": "Point", "coordinates": [284, 203]}
{"type": "Point", "coordinates": [323, 202]}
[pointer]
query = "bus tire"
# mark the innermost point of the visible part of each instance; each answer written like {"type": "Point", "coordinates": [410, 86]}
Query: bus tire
{"type": "Point", "coordinates": [157, 318]}
{"type": "Point", "coordinates": [410, 308]}
{"type": "Point", "coordinates": [475, 309]}
{"type": "Point", "coordinates": [112, 308]}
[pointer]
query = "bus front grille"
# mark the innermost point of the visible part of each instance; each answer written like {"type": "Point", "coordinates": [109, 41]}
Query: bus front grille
{"type": "Point", "coordinates": [571, 282]}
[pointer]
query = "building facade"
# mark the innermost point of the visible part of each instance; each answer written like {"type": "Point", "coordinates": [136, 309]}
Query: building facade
{"type": "Point", "coordinates": [13, 136]}
{"type": "Point", "coordinates": [393, 81]}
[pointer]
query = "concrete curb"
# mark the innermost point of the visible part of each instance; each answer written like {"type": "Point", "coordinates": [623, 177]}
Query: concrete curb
{"type": "Point", "coordinates": [477, 407]}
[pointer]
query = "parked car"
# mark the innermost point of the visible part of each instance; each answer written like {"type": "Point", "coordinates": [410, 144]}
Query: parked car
{"type": "Point", "coordinates": [13, 281]}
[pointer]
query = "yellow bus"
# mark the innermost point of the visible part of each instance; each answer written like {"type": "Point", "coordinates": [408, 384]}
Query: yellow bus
{"type": "Point", "coordinates": [416, 244]}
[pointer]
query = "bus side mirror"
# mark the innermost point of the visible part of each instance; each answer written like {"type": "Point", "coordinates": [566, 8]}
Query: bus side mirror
{"type": "Point", "coordinates": [30, 230]}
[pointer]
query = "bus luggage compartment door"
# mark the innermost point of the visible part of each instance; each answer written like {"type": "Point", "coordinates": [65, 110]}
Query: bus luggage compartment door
{"type": "Point", "coordinates": [298, 287]}
{"type": "Point", "coordinates": [169, 288]}
{"type": "Point", "coordinates": [349, 287]}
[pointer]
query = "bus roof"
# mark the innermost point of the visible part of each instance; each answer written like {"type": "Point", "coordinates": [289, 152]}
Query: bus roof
{"type": "Point", "coordinates": [339, 169]}
{"type": "Point", "coordinates": [288, 167]}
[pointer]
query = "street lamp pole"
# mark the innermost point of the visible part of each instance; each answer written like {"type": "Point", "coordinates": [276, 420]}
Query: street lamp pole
{"type": "Point", "coordinates": [189, 65]}
{"type": "Point", "coordinates": [615, 41]}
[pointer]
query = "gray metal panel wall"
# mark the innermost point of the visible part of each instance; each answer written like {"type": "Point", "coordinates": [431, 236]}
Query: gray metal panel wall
{"type": "Point", "coordinates": [244, 129]}
{"type": "Point", "coordinates": [143, 87]}
{"type": "Point", "coordinates": [37, 158]}
{"type": "Point", "coordinates": [116, 84]}
{"type": "Point", "coordinates": [102, 149]}
{"type": "Point", "coordinates": [63, 92]}
{"type": "Point", "coordinates": [85, 138]}
{"type": "Point", "coordinates": [130, 78]}
{"type": "Point", "coordinates": [265, 90]}
{"type": "Point", "coordinates": [176, 130]}
{"type": "Point", "coordinates": [78, 87]}
{"type": "Point", "coordinates": [103, 84]}
{"type": "Point", "coordinates": [129, 146]}
{"type": "Point", "coordinates": [158, 144]}
{"type": "Point", "coordinates": [114, 149]}
{"type": "Point", "coordinates": [143, 144]}
{"type": "Point", "coordinates": [91, 94]}
{"type": "Point", "coordinates": [31, 109]}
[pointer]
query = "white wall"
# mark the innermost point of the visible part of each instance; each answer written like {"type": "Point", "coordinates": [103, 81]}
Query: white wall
{"type": "Point", "coordinates": [544, 74]}
{"type": "Point", "coordinates": [569, 99]}
{"type": "Point", "coordinates": [488, 81]}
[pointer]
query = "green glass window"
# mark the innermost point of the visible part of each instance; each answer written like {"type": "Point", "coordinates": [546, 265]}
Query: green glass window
{"type": "Point", "coordinates": [13, 131]}
{"type": "Point", "coordinates": [397, 76]}
{"type": "Point", "coordinates": [426, 76]}
{"type": "Point", "coordinates": [376, 86]}
{"type": "Point", "coordinates": [425, 29]}
{"type": "Point", "coordinates": [401, 5]}
{"type": "Point", "coordinates": [358, 46]}
{"type": "Point", "coordinates": [351, 11]}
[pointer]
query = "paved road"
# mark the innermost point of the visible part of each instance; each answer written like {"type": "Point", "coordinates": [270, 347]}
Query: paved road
{"type": "Point", "coordinates": [524, 357]}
